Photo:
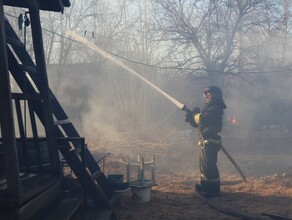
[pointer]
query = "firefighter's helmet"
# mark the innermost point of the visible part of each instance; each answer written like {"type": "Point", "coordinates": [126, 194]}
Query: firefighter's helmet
{"type": "Point", "coordinates": [216, 91]}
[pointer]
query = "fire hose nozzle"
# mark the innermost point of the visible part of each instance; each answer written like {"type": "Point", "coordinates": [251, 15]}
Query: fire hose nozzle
{"type": "Point", "coordinates": [185, 108]}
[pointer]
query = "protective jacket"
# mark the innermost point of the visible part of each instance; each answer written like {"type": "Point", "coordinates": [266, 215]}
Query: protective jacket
{"type": "Point", "coordinates": [210, 119]}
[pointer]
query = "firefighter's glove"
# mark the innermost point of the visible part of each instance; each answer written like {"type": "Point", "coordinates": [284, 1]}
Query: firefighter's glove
{"type": "Point", "coordinates": [196, 110]}
{"type": "Point", "coordinates": [190, 117]}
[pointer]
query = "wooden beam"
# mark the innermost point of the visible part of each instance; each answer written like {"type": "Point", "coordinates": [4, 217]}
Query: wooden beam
{"type": "Point", "coordinates": [48, 5]}
{"type": "Point", "coordinates": [6, 118]}
{"type": "Point", "coordinates": [44, 89]}
{"type": "Point", "coordinates": [30, 208]}
{"type": "Point", "coordinates": [35, 135]}
{"type": "Point", "coordinates": [22, 132]}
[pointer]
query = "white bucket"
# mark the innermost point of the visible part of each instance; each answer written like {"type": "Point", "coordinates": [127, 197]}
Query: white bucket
{"type": "Point", "coordinates": [141, 194]}
{"type": "Point", "coordinates": [123, 194]}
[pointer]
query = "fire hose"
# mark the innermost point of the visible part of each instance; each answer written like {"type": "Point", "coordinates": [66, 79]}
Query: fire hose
{"type": "Point", "coordinates": [234, 163]}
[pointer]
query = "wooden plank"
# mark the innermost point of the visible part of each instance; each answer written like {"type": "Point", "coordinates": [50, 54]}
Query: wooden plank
{"type": "Point", "coordinates": [14, 42]}
{"type": "Point", "coordinates": [35, 136]}
{"type": "Point", "coordinates": [44, 89]}
{"type": "Point", "coordinates": [26, 68]}
{"type": "Point", "coordinates": [23, 56]}
{"type": "Point", "coordinates": [17, 73]}
{"type": "Point", "coordinates": [22, 132]}
{"type": "Point", "coordinates": [48, 5]}
{"type": "Point", "coordinates": [30, 208]}
{"type": "Point", "coordinates": [62, 122]}
{"type": "Point", "coordinates": [3, 181]}
{"type": "Point", "coordinates": [21, 96]}
{"type": "Point", "coordinates": [101, 179]}
{"type": "Point", "coordinates": [92, 189]}
{"type": "Point", "coordinates": [24, 83]}
{"type": "Point", "coordinates": [32, 185]}
{"type": "Point", "coordinates": [6, 117]}
{"type": "Point", "coordinates": [64, 208]}
{"type": "Point", "coordinates": [60, 115]}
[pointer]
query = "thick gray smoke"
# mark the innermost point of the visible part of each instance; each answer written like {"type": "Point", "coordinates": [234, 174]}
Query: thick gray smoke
{"type": "Point", "coordinates": [118, 113]}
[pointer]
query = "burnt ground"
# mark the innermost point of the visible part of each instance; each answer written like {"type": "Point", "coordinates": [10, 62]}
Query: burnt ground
{"type": "Point", "coordinates": [265, 160]}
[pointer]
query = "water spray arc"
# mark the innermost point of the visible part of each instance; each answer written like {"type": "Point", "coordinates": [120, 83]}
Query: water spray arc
{"type": "Point", "coordinates": [121, 64]}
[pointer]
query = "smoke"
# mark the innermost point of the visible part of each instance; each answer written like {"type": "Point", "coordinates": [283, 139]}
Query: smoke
{"type": "Point", "coordinates": [120, 114]}
{"type": "Point", "coordinates": [261, 140]}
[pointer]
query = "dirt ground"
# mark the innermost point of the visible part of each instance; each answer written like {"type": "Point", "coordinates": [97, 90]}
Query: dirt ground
{"type": "Point", "coordinates": [174, 198]}
{"type": "Point", "coordinates": [266, 162]}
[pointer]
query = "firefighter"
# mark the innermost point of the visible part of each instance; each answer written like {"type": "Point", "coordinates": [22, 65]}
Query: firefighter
{"type": "Point", "coordinates": [209, 123]}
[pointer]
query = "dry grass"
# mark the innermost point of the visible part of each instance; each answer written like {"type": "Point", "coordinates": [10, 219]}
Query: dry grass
{"type": "Point", "coordinates": [268, 190]}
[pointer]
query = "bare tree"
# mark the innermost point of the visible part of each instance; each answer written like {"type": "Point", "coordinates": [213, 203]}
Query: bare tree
{"type": "Point", "coordinates": [275, 17]}
{"type": "Point", "coordinates": [205, 34]}
{"type": "Point", "coordinates": [77, 18]}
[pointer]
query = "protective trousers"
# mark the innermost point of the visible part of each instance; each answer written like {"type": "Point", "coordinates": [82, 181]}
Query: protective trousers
{"type": "Point", "coordinates": [209, 174]}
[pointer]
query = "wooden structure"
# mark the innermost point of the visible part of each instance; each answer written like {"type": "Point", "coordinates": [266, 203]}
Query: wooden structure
{"type": "Point", "coordinates": [30, 172]}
